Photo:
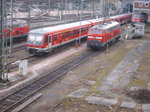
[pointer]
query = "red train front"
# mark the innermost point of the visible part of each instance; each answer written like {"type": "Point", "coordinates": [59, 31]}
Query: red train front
{"type": "Point", "coordinates": [100, 35]}
{"type": "Point", "coordinates": [140, 17]}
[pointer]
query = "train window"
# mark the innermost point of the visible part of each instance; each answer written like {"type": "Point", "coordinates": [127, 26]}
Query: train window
{"type": "Point", "coordinates": [55, 37]}
{"type": "Point", "coordinates": [108, 30]}
{"type": "Point", "coordinates": [31, 37]}
{"type": "Point", "coordinates": [39, 39]}
{"type": "Point", "coordinates": [63, 35]}
{"type": "Point", "coordinates": [67, 34]}
{"type": "Point", "coordinates": [74, 32]}
{"type": "Point", "coordinates": [82, 30]}
{"type": "Point", "coordinates": [50, 38]}
{"type": "Point", "coordinates": [77, 31]}
{"type": "Point", "coordinates": [87, 28]}
{"type": "Point", "coordinates": [70, 33]}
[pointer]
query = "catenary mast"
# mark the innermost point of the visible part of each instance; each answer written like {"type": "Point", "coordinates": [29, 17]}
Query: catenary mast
{"type": "Point", "coordinates": [3, 57]}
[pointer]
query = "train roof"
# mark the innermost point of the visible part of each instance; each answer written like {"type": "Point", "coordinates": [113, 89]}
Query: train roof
{"type": "Point", "coordinates": [61, 27]}
{"type": "Point", "coordinates": [68, 25]}
{"type": "Point", "coordinates": [106, 25]}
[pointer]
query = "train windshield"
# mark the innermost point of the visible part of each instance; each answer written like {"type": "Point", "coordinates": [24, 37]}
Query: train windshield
{"type": "Point", "coordinates": [136, 16]}
{"type": "Point", "coordinates": [35, 39]}
{"type": "Point", "coordinates": [96, 31]}
{"type": "Point", "coordinates": [92, 31]}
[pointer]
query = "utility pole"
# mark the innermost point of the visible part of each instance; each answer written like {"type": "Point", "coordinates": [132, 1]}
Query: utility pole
{"type": "Point", "coordinates": [100, 11]}
{"type": "Point", "coordinates": [3, 71]}
{"type": "Point", "coordinates": [93, 3]}
{"type": "Point", "coordinates": [66, 10]}
{"type": "Point", "coordinates": [29, 16]}
{"type": "Point", "coordinates": [62, 8]}
{"type": "Point", "coordinates": [11, 29]}
{"type": "Point", "coordinates": [78, 7]}
{"type": "Point", "coordinates": [49, 6]}
{"type": "Point", "coordinates": [81, 11]}
{"type": "Point", "coordinates": [104, 9]}
{"type": "Point", "coordinates": [42, 15]}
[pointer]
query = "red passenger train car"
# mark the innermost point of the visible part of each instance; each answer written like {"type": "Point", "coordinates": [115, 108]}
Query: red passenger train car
{"type": "Point", "coordinates": [100, 35]}
{"type": "Point", "coordinates": [44, 40]}
{"type": "Point", "coordinates": [141, 17]}
{"type": "Point", "coordinates": [20, 30]}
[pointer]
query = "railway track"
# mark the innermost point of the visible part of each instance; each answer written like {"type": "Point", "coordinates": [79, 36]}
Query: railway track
{"type": "Point", "coordinates": [14, 64]}
{"type": "Point", "coordinates": [147, 32]}
{"type": "Point", "coordinates": [15, 98]}
{"type": "Point", "coordinates": [32, 58]}
{"type": "Point", "coordinates": [20, 47]}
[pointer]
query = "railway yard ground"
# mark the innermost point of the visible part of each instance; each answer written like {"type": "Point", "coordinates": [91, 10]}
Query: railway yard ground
{"type": "Point", "coordinates": [114, 80]}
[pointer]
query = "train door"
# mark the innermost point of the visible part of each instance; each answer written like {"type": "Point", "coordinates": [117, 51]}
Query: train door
{"type": "Point", "coordinates": [49, 39]}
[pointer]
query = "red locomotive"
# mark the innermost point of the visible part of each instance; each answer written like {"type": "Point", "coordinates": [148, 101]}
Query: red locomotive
{"type": "Point", "coordinates": [44, 40]}
{"type": "Point", "coordinates": [20, 29]}
{"type": "Point", "coordinates": [100, 35]}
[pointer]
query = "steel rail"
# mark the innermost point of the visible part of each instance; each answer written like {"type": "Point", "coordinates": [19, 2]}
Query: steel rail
{"type": "Point", "coordinates": [8, 102]}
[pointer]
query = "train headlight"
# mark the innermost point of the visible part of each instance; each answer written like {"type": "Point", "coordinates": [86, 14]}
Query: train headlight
{"type": "Point", "coordinates": [90, 37]}
{"type": "Point", "coordinates": [98, 37]}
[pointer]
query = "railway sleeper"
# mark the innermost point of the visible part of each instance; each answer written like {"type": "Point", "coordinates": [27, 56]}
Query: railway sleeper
{"type": "Point", "coordinates": [14, 97]}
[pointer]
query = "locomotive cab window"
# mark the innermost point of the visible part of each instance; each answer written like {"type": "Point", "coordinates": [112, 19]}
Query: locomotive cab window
{"type": "Point", "coordinates": [92, 31]}
{"type": "Point", "coordinates": [98, 31]}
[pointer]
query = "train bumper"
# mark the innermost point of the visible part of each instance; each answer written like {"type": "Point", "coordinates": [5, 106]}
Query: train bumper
{"type": "Point", "coordinates": [36, 51]}
{"type": "Point", "coordinates": [94, 44]}
{"type": "Point", "coordinates": [32, 51]}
